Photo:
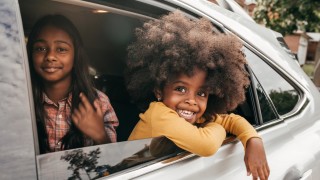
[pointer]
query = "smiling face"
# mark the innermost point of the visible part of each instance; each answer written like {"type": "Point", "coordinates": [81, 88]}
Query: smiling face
{"type": "Point", "coordinates": [186, 95]}
{"type": "Point", "coordinates": [53, 55]}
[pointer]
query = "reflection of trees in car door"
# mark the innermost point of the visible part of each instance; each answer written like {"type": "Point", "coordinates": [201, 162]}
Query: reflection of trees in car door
{"type": "Point", "coordinates": [80, 161]}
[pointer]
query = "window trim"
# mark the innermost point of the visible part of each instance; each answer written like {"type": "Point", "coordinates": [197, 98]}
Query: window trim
{"type": "Point", "coordinates": [254, 97]}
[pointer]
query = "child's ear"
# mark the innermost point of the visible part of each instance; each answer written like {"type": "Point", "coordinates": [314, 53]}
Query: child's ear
{"type": "Point", "coordinates": [158, 94]}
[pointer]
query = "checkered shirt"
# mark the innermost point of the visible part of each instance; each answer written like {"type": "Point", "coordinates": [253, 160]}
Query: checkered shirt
{"type": "Point", "coordinates": [58, 119]}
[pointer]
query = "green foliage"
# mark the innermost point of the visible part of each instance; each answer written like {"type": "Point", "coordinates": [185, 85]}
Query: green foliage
{"type": "Point", "coordinates": [284, 101]}
{"type": "Point", "coordinates": [287, 16]}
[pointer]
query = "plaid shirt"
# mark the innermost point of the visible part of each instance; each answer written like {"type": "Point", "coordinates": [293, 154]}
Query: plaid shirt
{"type": "Point", "coordinates": [58, 119]}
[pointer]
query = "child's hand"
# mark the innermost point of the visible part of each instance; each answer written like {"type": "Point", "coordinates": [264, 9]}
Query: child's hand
{"type": "Point", "coordinates": [255, 159]}
{"type": "Point", "coordinates": [89, 120]}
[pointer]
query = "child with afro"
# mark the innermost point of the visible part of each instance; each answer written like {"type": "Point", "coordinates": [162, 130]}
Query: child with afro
{"type": "Point", "coordinates": [186, 76]}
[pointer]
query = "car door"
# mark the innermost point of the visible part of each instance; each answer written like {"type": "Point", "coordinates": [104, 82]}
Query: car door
{"type": "Point", "coordinates": [17, 136]}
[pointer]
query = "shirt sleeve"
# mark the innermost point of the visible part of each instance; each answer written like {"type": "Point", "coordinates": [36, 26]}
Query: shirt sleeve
{"type": "Point", "coordinates": [110, 119]}
{"type": "Point", "coordinates": [237, 126]}
{"type": "Point", "coordinates": [203, 141]}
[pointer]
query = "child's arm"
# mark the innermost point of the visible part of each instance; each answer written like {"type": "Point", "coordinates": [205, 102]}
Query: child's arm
{"type": "Point", "coordinates": [255, 157]}
{"type": "Point", "coordinates": [89, 120]}
{"type": "Point", "coordinates": [238, 126]}
{"type": "Point", "coordinates": [110, 119]}
{"type": "Point", "coordinates": [160, 120]}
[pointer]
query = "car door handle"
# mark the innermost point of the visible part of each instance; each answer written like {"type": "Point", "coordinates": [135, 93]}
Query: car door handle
{"type": "Point", "coordinates": [307, 175]}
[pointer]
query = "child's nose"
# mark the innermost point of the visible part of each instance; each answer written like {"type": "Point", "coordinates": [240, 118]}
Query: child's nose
{"type": "Point", "coordinates": [191, 102]}
{"type": "Point", "coordinates": [50, 56]}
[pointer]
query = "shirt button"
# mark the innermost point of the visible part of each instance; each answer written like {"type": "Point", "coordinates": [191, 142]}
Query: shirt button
{"type": "Point", "coordinates": [60, 116]}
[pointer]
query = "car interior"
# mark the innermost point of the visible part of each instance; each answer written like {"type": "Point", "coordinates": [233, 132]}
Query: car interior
{"type": "Point", "coordinates": [105, 46]}
{"type": "Point", "coordinates": [106, 32]}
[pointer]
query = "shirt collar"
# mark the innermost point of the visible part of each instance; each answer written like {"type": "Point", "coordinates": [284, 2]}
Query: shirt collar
{"type": "Point", "coordinates": [46, 99]}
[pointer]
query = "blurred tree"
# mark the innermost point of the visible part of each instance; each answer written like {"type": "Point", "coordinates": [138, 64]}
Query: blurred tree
{"type": "Point", "coordinates": [287, 16]}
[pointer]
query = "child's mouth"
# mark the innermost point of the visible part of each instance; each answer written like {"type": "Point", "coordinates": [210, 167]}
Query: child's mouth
{"type": "Point", "coordinates": [187, 115]}
{"type": "Point", "coordinates": [51, 69]}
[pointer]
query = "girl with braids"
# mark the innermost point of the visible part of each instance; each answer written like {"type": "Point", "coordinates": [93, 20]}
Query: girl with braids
{"type": "Point", "coordinates": [70, 113]}
{"type": "Point", "coordinates": [186, 78]}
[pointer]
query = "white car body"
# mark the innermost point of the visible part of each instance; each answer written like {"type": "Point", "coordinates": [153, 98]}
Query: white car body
{"type": "Point", "coordinates": [292, 141]}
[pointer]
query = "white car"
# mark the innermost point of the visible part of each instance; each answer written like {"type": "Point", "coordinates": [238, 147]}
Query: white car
{"type": "Point", "coordinates": [282, 102]}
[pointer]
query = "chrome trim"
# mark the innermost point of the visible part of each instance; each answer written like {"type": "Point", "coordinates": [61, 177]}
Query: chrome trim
{"type": "Point", "coordinates": [269, 124]}
{"type": "Point", "coordinates": [134, 172]}
{"type": "Point", "coordinates": [153, 167]}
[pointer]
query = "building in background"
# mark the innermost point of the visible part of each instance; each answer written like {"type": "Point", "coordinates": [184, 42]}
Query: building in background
{"type": "Point", "coordinates": [313, 55]}
{"type": "Point", "coordinates": [313, 52]}
{"type": "Point", "coordinates": [235, 6]}
{"type": "Point", "coordinates": [298, 44]}
{"type": "Point", "coordinates": [248, 5]}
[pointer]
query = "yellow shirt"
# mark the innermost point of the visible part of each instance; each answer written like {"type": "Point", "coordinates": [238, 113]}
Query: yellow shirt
{"type": "Point", "coordinates": [159, 120]}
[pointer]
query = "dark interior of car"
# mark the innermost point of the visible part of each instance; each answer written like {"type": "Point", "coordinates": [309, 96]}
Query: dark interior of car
{"type": "Point", "coordinates": [106, 47]}
{"type": "Point", "coordinates": [106, 36]}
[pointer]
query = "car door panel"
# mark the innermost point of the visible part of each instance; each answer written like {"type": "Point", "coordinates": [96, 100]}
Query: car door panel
{"type": "Point", "coordinates": [17, 143]}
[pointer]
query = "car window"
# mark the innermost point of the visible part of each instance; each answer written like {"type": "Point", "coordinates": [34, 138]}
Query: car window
{"type": "Point", "coordinates": [107, 29]}
{"type": "Point", "coordinates": [273, 87]}
{"type": "Point", "coordinates": [105, 45]}
{"type": "Point", "coordinates": [107, 160]}
{"type": "Point", "coordinates": [267, 110]}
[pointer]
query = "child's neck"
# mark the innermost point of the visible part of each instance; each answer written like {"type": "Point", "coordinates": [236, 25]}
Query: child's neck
{"type": "Point", "coordinates": [56, 92]}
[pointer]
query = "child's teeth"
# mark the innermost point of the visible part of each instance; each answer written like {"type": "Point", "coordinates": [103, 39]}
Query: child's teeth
{"type": "Point", "coordinates": [185, 113]}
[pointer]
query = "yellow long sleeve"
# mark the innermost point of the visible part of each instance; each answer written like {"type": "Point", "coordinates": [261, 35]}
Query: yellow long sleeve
{"type": "Point", "coordinates": [238, 126]}
{"type": "Point", "coordinates": [160, 120]}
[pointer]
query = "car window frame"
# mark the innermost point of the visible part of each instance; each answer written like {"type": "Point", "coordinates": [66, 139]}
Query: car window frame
{"type": "Point", "coordinates": [303, 100]}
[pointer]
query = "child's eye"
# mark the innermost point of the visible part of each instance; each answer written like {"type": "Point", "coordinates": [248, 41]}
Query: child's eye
{"type": "Point", "coordinates": [40, 49]}
{"type": "Point", "coordinates": [202, 94]}
{"type": "Point", "coordinates": [181, 89]}
{"type": "Point", "coordinates": [61, 50]}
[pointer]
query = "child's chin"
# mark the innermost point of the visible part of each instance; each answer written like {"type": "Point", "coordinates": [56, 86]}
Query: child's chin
{"type": "Point", "coordinates": [192, 121]}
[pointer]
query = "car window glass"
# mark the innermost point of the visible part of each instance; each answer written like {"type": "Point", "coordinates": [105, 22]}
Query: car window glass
{"type": "Point", "coordinates": [105, 160]}
{"type": "Point", "coordinates": [267, 111]}
{"type": "Point", "coordinates": [282, 94]}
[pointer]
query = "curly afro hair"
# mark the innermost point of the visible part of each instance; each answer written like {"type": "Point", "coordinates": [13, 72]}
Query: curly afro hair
{"type": "Point", "coordinates": [175, 44]}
